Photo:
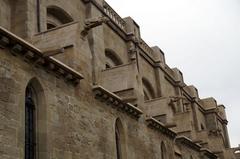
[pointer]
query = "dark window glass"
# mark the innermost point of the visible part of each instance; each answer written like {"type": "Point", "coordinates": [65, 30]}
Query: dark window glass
{"type": "Point", "coordinates": [118, 143]}
{"type": "Point", "coordinates": [29, 126]}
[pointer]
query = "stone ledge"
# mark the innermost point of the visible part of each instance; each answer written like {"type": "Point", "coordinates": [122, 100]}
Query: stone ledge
{"type": "Point", "coordinates": [32, 55]}
{"type": "Point", "coordinates": [188, 142]}
{"type": "Point", "coordinates": [208, 153]}
{"type": "Point", "coordinates": [116, 102]}
{"type": "Point", "coordinates": [157, 125]}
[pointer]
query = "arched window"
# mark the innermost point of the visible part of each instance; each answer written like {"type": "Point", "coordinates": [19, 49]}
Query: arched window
{"type": "Point", "coordinates": [57, 16]}
{"type": "Point", "coordinates": [36, 142]}
{"type": "Point", "coordinates": [147, 89]}
{"type": "Point", "coordinates": [120, 140]}
{"type": "Point", "coordinates": [112, 59]}
{"type": "Point", "coordinates": [163, 151]}
{"type": "Point", "coordinates": [30, 124]}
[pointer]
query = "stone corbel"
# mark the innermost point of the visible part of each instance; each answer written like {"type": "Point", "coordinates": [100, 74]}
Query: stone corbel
{"type": "Point", "coordinates": [4, 41]}
{"type": "Point", "coordinates": [92, 23]}
{"type": "Point", "coordinates": [16, 49]}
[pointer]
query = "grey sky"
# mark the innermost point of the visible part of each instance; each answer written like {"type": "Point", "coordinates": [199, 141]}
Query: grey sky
{"type": "Point", "coordinates": [202, 39]}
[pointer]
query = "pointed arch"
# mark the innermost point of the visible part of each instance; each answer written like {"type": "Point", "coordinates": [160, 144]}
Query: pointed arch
{"type": "Point", "coordinates": [57, 16]}
{"type": "Point", "coordinates": [35, 121]}
{"type": "Point", "coordinates": [148, 89]}
{"type": "Point", "coordinates": [120, 140]}
{"type": "Point", "coordinates": [112, 59]}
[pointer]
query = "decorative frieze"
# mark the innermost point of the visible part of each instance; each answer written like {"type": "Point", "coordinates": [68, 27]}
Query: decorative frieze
{"type": "Point", "coordinates": [116, 102]}
{"type": "Point", "coordinates": [33, 56]}
{"type": "Point", "coordinates": [157, 125]}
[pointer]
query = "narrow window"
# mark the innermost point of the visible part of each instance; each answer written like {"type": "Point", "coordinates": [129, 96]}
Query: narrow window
{"type": "Point", "coordinates": [163, 151]}
{"type": "Point", "coordinates": [35, 136]}
{"type": "Point", "coordinates": [118, 143]}
{"type": "Point", "coordinates": [29, 125]}
{"type": "Point", "coordinates": [120, 140]}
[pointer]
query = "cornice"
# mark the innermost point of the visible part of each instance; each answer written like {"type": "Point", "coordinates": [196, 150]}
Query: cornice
{"type": "Point", "coordinates": [208, 153]}
{"type": "Point", "coordinates": [157, 125]}
{"type": "Point", "coordinates": [188, 142]}
{"type": "Point", "coordinates": [116, 102]}
{"type": "Point", "coordinates": [20, 48]}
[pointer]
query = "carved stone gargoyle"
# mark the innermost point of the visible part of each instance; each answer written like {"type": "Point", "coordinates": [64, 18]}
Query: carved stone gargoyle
{"type": "Point", "coordinates": [92, 23]}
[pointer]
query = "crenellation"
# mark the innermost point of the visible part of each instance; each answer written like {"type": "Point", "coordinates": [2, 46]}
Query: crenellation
{"type": "Point", "coordinates": [132, 28]}
{"type": "Point", "coordinates": [178, 76]}
{"type": "Point", "coordinates": [192, 90]}
{"type": "Point", "coordinates": [209, 103]}
{"type": "Point", "coordinates": [159, 55]}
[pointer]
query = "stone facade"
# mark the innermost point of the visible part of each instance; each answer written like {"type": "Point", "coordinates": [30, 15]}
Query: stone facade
{"type": "Point", "coordinates": [97, 89]}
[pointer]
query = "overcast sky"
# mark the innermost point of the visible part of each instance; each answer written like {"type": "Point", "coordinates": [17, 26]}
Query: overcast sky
{"type": "Point", "coordinates": [202, 39]}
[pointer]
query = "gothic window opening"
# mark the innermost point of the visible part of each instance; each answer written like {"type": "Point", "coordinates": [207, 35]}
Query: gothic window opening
{"type": "Point", "coordinates": [35, 108]}
{"type": "Point", "coordinates": [120, 140]}
{"type": "Point", "coordinates": [56, 16]}
{"type": "Point", "coordinates": [30, 124]}
{"type": "Point", "coordinates": [163, 151]}
{"type": "Point", "coordinates": [112, 59]}
{"type": "Point", "coordinates": [118, 143]}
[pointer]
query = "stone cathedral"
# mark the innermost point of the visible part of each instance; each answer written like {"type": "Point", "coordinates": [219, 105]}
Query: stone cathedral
{"type": "Point", "coordinates": [77, 81]}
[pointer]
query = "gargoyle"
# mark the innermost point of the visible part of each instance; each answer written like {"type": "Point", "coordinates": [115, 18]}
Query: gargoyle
{"type": "Point", "coordinates": [92, 23]}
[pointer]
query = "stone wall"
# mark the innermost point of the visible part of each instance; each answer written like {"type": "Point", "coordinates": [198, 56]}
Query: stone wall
{"type": "Point", "coordinates": [72, 120]}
